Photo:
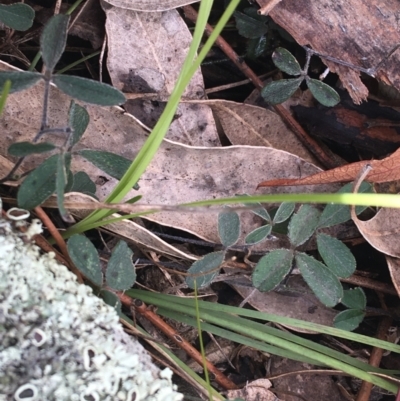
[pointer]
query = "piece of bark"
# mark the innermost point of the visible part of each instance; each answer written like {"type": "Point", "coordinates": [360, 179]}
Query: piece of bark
{"type": "Point", "coordinates": [359, 32]}
{"type": "Point", "coordinates": [374, 135]}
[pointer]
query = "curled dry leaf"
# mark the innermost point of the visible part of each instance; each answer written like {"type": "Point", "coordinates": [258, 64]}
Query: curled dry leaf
{"type": "Point", "coordinates": [150, 5]}
{"type": "Point", "coordinates": [394, 270]}
{"type": "Point", "coordinates": [382, 231]}
{"type": "Point", "coordinates": [148, 62]}
{"type": "Point", "coordinates": [245, 124]}
{"type": "Point", "coordinates": [384, 170]}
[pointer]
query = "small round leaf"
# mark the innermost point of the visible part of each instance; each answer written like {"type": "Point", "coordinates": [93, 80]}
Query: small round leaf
{"type": "Point", "coordinates": [249, 27]}
{"type": "Point", "coordinates": [228, 227]}
{"type": "Point", "coordinates": [205, 269]}
{"type": "Point", "coordinates": [272, 269]}
{"type": "Point", "coordinates": [336, 255]}
{"type": "Point", "coordinates": [263, 213]}
{"type": "Point", "coordinates": [22, 149]}
{"type": "Point", "coordinates": [53, 40]}
{"type": "Point", "coordinates": [20, 80]}
{"type": "Point", "coordinates": [120, 273]}
{"type": "Point", "coordinates": [326, 95]}
{"type": "Point", "coordinates": [259, 234]}
{"type": "Point", "coordinates": [303, 224]}
{"type": "Point", "coordinates": [85, 257]}
{"type": "Point", "coordinates": [284, 211]}
{"type": "Point", "coordinates": [17, 16]}
{"type": "Point", "coordinates": [38, 185]}
{"type": "Point", "coordinates": [78, 121]}
{"type": "Point", "coordinates": [111, 163]}
{"type": "Point", "coordinates": [348, 319]}
{"type": "Point", "coordinates": [83, 183]}
{"type": "Point", "coordinates": [285, 61]}
{"type": "Point", "coordinates": [325, 285]}
{"type": "Point", "coordinates": [88, 90]}
{"type": "Point", "coordinates": [354, 298]}
{"type": "Point", "coordinates": [279, 91]}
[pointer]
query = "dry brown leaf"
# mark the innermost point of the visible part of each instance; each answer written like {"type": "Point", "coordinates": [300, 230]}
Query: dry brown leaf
{"type": "Point", "coordinates": [245, 124]}
{"type": "Point", "coordinates": [148, 60]}
{"type": "Point", "coordinates": [359, 32]}
{"type": "Point", "coordinates": [256, 390]}
{"type": "Point", "coordinates": [150, 5]}
{"type": "Point", "coordinates": [382, 231]}
{"type": "Point", "coordinates": [297, 302]}
{"type": "Point", "coordinates": [394, 270]}
{"type": "Point", "coordinates": [384, 170]}
{"type": "Point", "coordinates": [177, 174]}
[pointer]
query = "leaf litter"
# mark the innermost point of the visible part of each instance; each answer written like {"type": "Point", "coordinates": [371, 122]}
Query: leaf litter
{"type": "Point", "coordinates": [213, 182]}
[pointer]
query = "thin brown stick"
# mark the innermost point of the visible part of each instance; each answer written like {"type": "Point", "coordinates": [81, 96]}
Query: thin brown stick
{"type": "Point", "coordinates": [172, 334]}
{"type": "Point", "coordinates": [370, 283]}
{"type": "Point", "coordinates": [267, 8]}
{"type": "Point", "coordinates": [59, 240]}
{"type": "Point", "coordinates": [375, 359]}
{"type": "Point", "coordinates": [309, 142]}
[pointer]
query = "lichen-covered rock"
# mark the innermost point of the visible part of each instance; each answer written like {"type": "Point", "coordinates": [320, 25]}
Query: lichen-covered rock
{"type": "Point", "coordinates": [60, 342]}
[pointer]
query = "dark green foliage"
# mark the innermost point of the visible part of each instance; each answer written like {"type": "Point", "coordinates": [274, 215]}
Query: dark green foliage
{"type": "Point", "coordinates": [325, 285]}
{"type": "Point", "coordinates": [54, 174]}
{"type": "Point", "coordinates": [21, 149]}
{"type": "Point", "coordinates": [20, 80]}
{"type": "Point", "coordinates": [17, 16]}
{"type": "Point", "coordinates": [279, 91]}
{"type": "Point", "coordinates": [348, 319]}
{"type": "Point", "coordinates": [284, 211]}
{"type": "Point", "coordinates": [85, 257]}
{"type": "Point", "coordinates": [354, 298]}
{"type": "Point", "coordinates": [82, 183]}
{"type": "Point", "coordinates": [323, 92]}
{"type": "Point", "coordinates": [205, 269]}
{"type": "Point", "coordinates": [336, 255]}
{"type": "Point", "coordinates": [259, 234]}
{"type": "Point", "coordinates": [78, 121]}
{"type": "Point", "coordinates": [112, 164]}
{"type": "Point", "coordinates": [249, 24]}
{"type": "Point", "coordinates": [303, 224]}
{"type": "Point", "coordinates": [39, 185]}
{"type": "Point", "coordinates": [286, 62]}
{"type": "Point", "coordinates": [228, 227]}
{"type": "Point", "coordinates": [272, 269]}
{"type": "Point", "coordinates": [53, 40]}
{"type": "Point", "coordinates": [88, 90]}
{"type": "Point", "coordinates": [120, 274]}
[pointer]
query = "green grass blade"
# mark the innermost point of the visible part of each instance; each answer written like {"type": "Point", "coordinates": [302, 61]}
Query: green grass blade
{"type": "Point", "coordinates": [238, 338]}
{"type": "Point", "coordinates": [153, 142]}
{"type": "Point", "coordinates": [4, 94]}
{"type": "Point", "coordinates": [282, 340]}
{"type": "Point", "coordinates": [209, 306]}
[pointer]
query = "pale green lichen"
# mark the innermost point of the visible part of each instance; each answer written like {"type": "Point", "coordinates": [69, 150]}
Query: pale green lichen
{"type": "Point", "coordinates": [60, 342]}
